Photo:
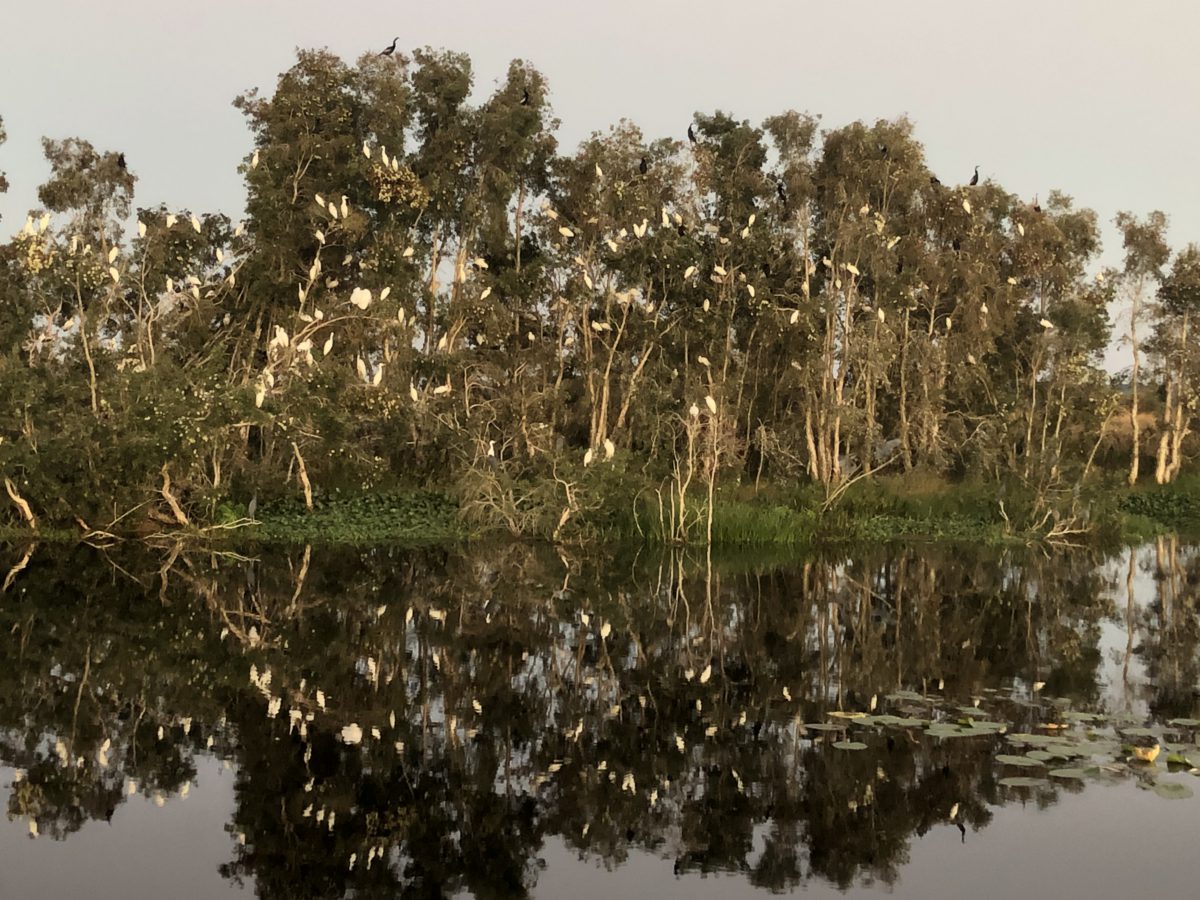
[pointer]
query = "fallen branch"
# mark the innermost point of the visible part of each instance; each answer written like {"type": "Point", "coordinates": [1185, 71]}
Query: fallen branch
{"type": "Point", "coordinates": [22, 503]}
{"type": "Point", "coordinates": [16, 570]}
{"type": "Point", "coordinates": [177, 510]}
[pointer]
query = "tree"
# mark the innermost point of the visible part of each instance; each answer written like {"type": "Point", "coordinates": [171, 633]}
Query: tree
{"type": "Point", "coordinates": [1177, 354]}
{"type": "Point", "coordinates": [1146, 252]}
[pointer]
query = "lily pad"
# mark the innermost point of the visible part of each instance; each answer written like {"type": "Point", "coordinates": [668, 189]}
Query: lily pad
{"type": "Point", "coordinates": [972, 711]}
{"type": "Point", "coordinates": [1172, 790]}
{"type": "Point", "coordinates": [1033, 739]}
{"type": "Point", "coordinates": [1138, 732]}
{"type": "Point", "coordinates": [1185, 723]}
{"type": "Point", "coordinates": [850, 745]}
{"type": "Point", "coordinates": [1074, 774]}
{"type": "Point", "coordinates": [1022, 761]}
{"type": "Point", "coordinates": [945, 730]}
{"type": "Point", "coordinates": [1019, 781]}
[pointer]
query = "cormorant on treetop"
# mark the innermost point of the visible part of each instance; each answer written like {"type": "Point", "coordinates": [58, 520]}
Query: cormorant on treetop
{"type": "Point", "coordinates": [643, 166]}
{"type": "Point", "coordinates": [691, 134]}
{"type": "Point", "coordinates": [975, 177]}
{"type": "Point", "coordinates": [388, 51]}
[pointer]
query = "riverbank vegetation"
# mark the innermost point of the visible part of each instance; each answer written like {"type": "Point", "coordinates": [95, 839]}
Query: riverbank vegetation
{"type": "Point", "coordinates": [743, 332]}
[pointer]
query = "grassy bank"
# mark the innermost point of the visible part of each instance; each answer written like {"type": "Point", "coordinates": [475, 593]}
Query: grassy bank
{"type": "Point", "coordinates": [910, 507]}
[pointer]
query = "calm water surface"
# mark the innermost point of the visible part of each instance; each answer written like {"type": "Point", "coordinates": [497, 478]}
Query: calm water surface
{"type": "Point", "coordinates": [514, 721]}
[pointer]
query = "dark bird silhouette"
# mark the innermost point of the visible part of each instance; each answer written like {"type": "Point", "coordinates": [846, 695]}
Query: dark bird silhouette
{"type": "Point", "coordinates": [121, 162]}
{"type": "Point", "coordinates": [1037, 207]}
{"type": "Point", "coordinates": [643, 166]}
{"type": "Point", "coordinates": [691, 134]}
{"type": "Point", "coordinates": [388, 51]}
{"type": "Point", "coordinates": [934, 180]}
{"type": "Point", "coordinates": [883, 151]}
{"type": "Point", "coordinates": [975, 177]}
{"type": "Point", "coordinates": [525, 97]}
{"type": "Point", "coordinates": [781, 192]}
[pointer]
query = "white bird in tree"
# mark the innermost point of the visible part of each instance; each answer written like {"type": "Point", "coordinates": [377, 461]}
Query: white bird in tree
{"type": "Point", "coordinates": [492, 459]}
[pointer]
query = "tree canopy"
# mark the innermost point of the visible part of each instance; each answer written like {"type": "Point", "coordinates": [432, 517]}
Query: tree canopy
{"type": "Point", "coordinates": [423, 274]}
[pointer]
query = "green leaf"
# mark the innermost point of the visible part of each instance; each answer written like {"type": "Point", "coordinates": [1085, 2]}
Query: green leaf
{"type": "Point", "coordinates": [850, 745]}
{"type": "Point", "coordinates": [1022, 761]}
{"type": "Point", "coordinates": [1075, 774]}
{"type": "Point", "coordinates": [1172, 790]}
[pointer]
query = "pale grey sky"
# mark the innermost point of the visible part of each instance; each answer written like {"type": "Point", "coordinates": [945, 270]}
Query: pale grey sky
{"type": "Point", "coordinates": [1098, 98]}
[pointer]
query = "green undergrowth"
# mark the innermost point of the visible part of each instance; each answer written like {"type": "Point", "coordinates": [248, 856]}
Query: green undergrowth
{"type": "Point", "coordinates": [784, 517]}
{"type": "Point", "coordinates": [1175, 505]}
{"type": "Point", "coordinates": [399, 517]}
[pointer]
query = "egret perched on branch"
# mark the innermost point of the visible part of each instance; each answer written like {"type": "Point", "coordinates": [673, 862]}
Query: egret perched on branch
{"type": "Point", "coordinates": [388, 51]}
{"type": "Point", "coordinates": [975, 177]}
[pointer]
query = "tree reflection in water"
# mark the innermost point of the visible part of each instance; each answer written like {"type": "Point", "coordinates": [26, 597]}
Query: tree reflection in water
{"type": "Point", "coordinates": [510, 694]}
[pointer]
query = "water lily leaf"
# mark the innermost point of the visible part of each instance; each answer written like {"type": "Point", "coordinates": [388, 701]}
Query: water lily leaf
{"type": "Point", "coordinates": [850, 745]}
{"type": "Point", "coordinates": [1185, 723]}
{"type": "Point", "coordinates": [1010, 760]}
{"type": "Point", "coordinates": [1075, 774]}
{"type": "Point", "coordinates": [1187, 759]}
{"type": "Point", "coordinates": [1040, 755]}
{"type": "Point", "coordinates": [972, 711]}
{"type": "Point", "coordinates": [1033, 739]}
{"type": "Point", "coordinates": [1024, 782]}
{"type": "Point", "coordinates": [1172, 790]}
{"type": "Point", "coordinates": [1138, 732]}
{"type": "Point", "coordinates": [1073, 716]}
{"type": "Point", "coordinates": [823, 726]}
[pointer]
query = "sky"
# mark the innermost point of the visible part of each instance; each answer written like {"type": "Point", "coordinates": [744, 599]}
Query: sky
{"type": "Point", "coordinates": [1097, 98]}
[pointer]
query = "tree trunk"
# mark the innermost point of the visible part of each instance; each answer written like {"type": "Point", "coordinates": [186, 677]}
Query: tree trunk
{"type": "Point", "coordinates": [1136, 452]}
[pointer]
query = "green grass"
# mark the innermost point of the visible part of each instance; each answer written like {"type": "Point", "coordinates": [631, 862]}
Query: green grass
{"type": "Point", "coordinates": [785, 517]}
{"type": "Point", "coordinates": [11, 535]}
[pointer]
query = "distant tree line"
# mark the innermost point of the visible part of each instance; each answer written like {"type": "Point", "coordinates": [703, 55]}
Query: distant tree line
{"type": "Point", "coordinates": [427, 290]}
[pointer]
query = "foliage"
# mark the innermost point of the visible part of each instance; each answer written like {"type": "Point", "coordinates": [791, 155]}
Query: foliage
{"type": "Point", "coordinates": [641, 329]}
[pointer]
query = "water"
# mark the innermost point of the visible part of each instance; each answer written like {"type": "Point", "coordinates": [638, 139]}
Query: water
{"type": "Point", "coordinates": [186, 723]}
